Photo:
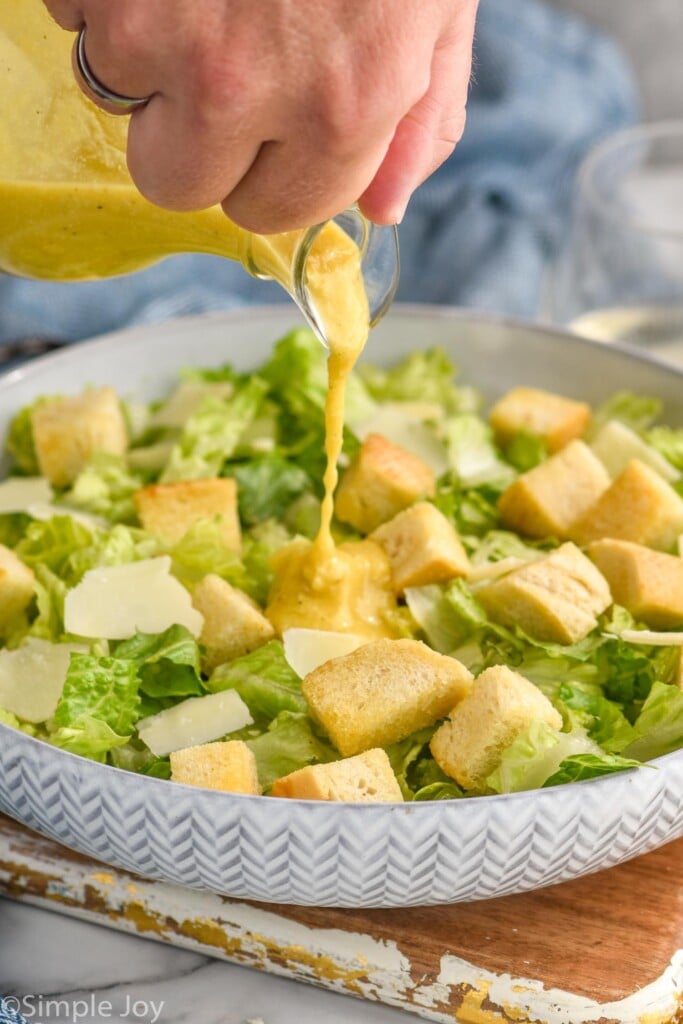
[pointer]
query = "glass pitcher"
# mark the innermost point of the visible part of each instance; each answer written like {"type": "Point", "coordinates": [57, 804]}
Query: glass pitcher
{"type": "Point", "coordinates": [70, 212]}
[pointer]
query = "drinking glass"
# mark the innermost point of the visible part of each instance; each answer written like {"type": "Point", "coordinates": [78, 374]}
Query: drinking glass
{"type": "Point", "coordinates": [619, 276]}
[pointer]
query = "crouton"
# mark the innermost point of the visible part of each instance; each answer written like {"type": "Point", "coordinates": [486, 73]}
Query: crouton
{"type": "Point", "coordinates": [382, 692]}
{"type": "Point", "coordinates": [638, 506]}
{"type": "Point", "coordinates": [365, 778]}
{"type": "Point", "coordinates": [16, 587]}
{"type": "Point", "coordinates": [382, 480]}
{"type": "Point", "coordinates": [556, 420]}
{"type": "Point", "coordinates": [233, 623]}
{"type": "Point", "coordinates": [556, 598]}
{"type": "Point", "coordinates": [547, 500]}
{"type": "Point", "coordinates": [647, 582]}
{"type": "Point", "coordinates": [169, 510]}
{"type": "Point", "coordinates": [68, 431]}
{"type": "Point", "coordinates": [501, 705]}
{"type": "Point", "coordinates": [228, 765]}
{"type": "Point", "coordinates": [422, 547]}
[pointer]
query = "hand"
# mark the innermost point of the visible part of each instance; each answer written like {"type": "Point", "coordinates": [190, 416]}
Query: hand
{"type": "Point", "coordinates": [284, 112]}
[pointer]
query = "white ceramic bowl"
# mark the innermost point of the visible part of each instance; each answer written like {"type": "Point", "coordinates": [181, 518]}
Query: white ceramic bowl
{"type": "Point", "coordinates": [325, 853]}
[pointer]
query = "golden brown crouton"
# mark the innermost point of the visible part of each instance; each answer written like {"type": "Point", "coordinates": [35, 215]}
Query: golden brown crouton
{"type": "Point", "coordinates": [556, 598]}
{"type": "Point", "coordinates": [556, 420]}
{"type": "Point", "coordinates": [228, 765]}
{"type": "Point", "coordinates": [501, 705]}
{"type": "Point", "coordinates": [16, 586]}
{"type": "Point", "coordinates": [233, 623]}
{"type": "Point", "coordinates": [382, 480]}
{"type": "Point", "coordinates": [366, 778]}
{"type": "Point", "coordinates": [422, 547]}
{"type": "Point", "coordinates": [638, 506]}
{"type": "Point", "coordinates": [547, 500]}
{"type": "Point", "coordinates": [647, 582]}
{"type": "Point", "coordinates": [68, 431]}
{"type": "Point", "coordinates": [382, 692]}
{"type": "Point", "coordinates": [171, 509]}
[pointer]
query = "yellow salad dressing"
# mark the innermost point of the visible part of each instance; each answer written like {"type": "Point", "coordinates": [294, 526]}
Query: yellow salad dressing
{"type": "Point", "coordinates": [70, 212]}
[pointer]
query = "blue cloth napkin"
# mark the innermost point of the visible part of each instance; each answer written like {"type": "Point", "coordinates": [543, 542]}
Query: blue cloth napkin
{"type": "Point", "coordinates": [478, 233]}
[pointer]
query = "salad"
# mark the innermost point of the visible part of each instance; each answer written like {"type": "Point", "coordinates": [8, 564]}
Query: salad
{"type": "Point", "coordinates": [532, 585]}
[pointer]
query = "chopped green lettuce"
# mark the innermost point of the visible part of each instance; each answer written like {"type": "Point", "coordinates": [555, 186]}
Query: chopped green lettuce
{"type": "Point", "coordinates": [446, 614]}
{"type": "Point", "coordinates": [211, 435]}
{"type": "Point", "coordinates": [264, 681]}
{"type": "Point", "coordinates": [589, 766]}
{"type": "Point", "coordinates": [168, 662]}
{"type": "Point", "coordinates": [426, 376]}
{"type": "Point", "coordinates": [472, 454]}
{"type": "Point", "coordinates": [98, 706]}
{"type": "Point", "coordinates": [638, 412]}
{"type": "Point", "coordinates": [105, 487]}
{"type": "Point", "coordinates": [289, 743]}
{"type": "Point", "coordinates": [267, 486]}
{"type": "Point", "coordinates": [669, 443]}
{"type": "Point", "coordinates": [535, 755]}
{"type": "Point", "coordinates": [659, 726]}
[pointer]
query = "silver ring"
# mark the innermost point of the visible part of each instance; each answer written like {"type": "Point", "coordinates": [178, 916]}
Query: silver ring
{"type": "Point", "coordinates": [113, 102]}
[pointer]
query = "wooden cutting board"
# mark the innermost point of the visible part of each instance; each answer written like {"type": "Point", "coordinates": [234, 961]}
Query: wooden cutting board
{"type": "Point", "coordinates": [605, 949]}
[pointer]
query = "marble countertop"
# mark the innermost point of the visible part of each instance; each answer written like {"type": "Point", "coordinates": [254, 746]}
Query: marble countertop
{"type": "Point", "coordinates": [56, 968]}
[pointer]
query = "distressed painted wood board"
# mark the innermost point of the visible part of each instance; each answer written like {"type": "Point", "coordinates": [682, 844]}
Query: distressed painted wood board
{"type": "Point", "coordinates": [605, 949]}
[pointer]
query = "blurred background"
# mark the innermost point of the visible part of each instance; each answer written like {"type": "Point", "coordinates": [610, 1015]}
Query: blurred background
{"type": "Point", "coordinates": [651, 34]}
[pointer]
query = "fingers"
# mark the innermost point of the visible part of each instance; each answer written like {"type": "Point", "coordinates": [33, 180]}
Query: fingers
{"type": "Point", "coordinates": [293, 184]}
{"type": "Point", "coordinates": [427, 135]}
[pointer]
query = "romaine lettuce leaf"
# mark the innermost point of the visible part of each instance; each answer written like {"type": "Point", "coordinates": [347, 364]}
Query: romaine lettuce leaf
{"type": "Point", "coordinates": [267, 487]}
{"type": "Point", "coordinates": [535, 755]}
{"type": "Point", "coordinates": [638, 412]}
{"type": "Point", "coordinates": [525, 451]}
{"type": "Point", "coordinates": [447, 615]}
{"type": "Point", "coordinates": [289, 744]}
{"type": "Point", "coordinates": [472, 454]}
{"type": "Point", "coordinates": [264, 681]}
{"type": "Point", "coordinates": [98, 706]}
{"type": "Point", "coordinates": [105, 487]}
{"type": "Point", "coordinates": [168, 662]}
{"type": "Point", "coordinates": [426, 376]}
{"type": "Point", "coordinates": [211, 435]}
{"type": "Point", "coordinates": [589, 766]}
{"type": "Point", "coordinates": [659, 726]}
{"type": "Point", "coordinates": [604, 719]}
{"type": "Point", "coordinates": [669, 443]}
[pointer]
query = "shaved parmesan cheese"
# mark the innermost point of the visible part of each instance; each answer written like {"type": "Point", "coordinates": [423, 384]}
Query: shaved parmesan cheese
{"type": "Point", "coordinates": [649, 637]}
{"type": "Point", "coordinates": [32, 678]}
{"type": "Point", "coordinates": [306, 649]}
{"type": "Point", "coordinates": [398, 422]}
{"type": "Point", "coordinates": [186, 400]}
{"type": "Point", "coordinates": [492, 570]}
{"type": "Point", "coordinates": [616, 444]}
{"type": "Point", "coordinates": [44, 510]}
{"type": "Point", "coordinates": [194, 721]}
{"type": "Point", "coordinates": [17, 493]}
{"type": "Point", "coordinates": [115, 602]}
